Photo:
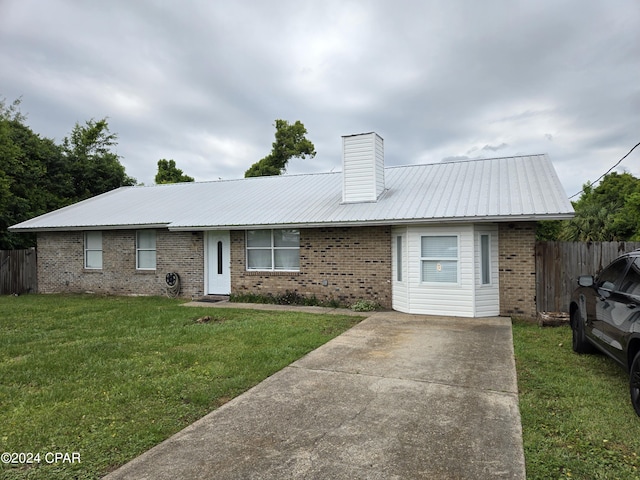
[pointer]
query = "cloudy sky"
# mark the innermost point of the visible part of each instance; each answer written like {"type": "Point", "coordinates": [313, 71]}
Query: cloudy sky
{"type": "Point", "coordinates": [201, 82]}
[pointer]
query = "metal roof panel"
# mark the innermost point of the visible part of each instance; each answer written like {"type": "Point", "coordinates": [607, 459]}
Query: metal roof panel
{"type": "Point", "coordinates": [475, 190]}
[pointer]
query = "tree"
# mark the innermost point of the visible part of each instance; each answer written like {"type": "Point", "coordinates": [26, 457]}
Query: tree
{"type": "Point", "coordinates": [38, 176]}
{"type": "Point", "coordinates": [94, 167]}
{"type": "Point", "coordinates": [608, 212]}
{"type": "Point", "coordinates": [628, 219]}
{"type": "Point", "coordinates": [548, 230]}
{"type": "Point", "coordinates": [290, 142]}
{"type": "Point", "coordinates": [11, 112]}
{"type": "Point", "coordinates": [169, 173]}
{"type": "Point", "coordinates": [30, 183]}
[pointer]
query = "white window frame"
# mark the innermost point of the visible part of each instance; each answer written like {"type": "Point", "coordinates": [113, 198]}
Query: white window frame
{"type": "Point", "coordinates": [425, 260]}
{"type": "Point", "coordinates": [140, 249]}
{"type": "Point", "coordinates": [89, 249]}
{"type": "Point", "coordinates": [273, 249]}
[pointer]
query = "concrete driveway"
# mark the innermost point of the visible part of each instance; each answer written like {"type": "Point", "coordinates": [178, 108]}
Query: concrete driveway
{"type": "Point", "coordinates": [396, 397]}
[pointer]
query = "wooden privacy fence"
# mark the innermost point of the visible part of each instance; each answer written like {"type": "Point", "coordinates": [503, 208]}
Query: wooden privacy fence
{"type": "Point", "coordinates": [559, 264]}
{"type": "Point", "coordinates": [18, 271]}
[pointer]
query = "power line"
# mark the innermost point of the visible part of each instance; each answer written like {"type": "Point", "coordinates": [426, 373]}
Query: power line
{"type": "Point", "coordinates": [601, 176]}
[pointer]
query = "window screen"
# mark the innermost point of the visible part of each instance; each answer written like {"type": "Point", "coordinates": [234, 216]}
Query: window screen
{"type": "Point", "coordinates": [146, 250]}
{"type": "Point", "coordinates": [273, 250]}
{"type": "Point", "coordinates": [93, 250]}
{"type": "Point", "coordinates": [439, 257]}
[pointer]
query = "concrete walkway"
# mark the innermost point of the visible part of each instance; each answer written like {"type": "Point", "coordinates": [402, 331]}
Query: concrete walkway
{"type": "Point", "coordinates": [396, 397]}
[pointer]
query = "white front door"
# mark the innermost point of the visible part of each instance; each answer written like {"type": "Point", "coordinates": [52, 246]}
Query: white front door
{"type": "Point", "coordinates": [218, 263]}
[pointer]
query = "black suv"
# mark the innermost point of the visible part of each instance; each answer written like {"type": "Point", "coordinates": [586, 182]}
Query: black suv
{"type": "Point", "coordinates": [605, 313]}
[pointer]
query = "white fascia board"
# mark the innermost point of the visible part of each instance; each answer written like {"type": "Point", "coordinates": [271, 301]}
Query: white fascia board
{"type": "Point", "coordinates": [76, 228]}
{"type": "Point", "coordinates": [377, 223]}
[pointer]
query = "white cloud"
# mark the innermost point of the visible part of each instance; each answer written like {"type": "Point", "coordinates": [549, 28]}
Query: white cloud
{"type": "Point", "coordinates": [203, 82]}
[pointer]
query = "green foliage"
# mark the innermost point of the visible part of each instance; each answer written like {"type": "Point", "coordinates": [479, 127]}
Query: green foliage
{"type": "Point", "coordinates": [287, 298]}
{"type": "Point", "coordinates": [110, 377]}
{"type": "Point", "coordinates": [11, 112]}
{"type": "Point", "coordinates": [30, 180]}
{"type": "Point", "coordinates": [94, 168]}
{"type": "Point", "coordinates": [169, 173]}
{"type": "Point", "coordinates": [363, 305]}
{"type": "Point", "coordinates": [548, 230]}
{"type": "Point", "coordinates": [290, 142]}
{"type": "Point", "coordinates": [38, 176]}
{"type": "Point", "coordinates": [608, 212]}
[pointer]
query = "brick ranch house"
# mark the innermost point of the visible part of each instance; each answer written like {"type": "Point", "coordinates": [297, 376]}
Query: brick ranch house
{"type": "Point", "coordinates": [451, 238]}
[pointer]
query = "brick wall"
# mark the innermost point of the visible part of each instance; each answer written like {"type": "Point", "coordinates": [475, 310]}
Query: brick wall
{"type": "Point", "coordinates": [517, 269]}
{"type": "Point", "coordinates": [61, 263]}
{"type": "Point", "coordinates": [344, 264]}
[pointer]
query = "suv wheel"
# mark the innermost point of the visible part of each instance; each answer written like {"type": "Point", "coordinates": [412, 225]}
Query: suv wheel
{"type": "Point", "coordinates": [634, 383]}
{"type": "Point", "coordinates": [578, 341]}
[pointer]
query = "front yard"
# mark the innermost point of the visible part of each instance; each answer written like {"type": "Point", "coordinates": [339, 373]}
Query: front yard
{"type": "Point", "coordinates": [103, 379]}
{"type": "Point", "coordinates": [106, 378]}
{"type": "Point", "coordinates": [577, 419]}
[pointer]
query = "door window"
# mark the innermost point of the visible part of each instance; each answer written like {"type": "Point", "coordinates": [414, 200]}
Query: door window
{"type": "Point", "coordinates": [631, 282]}
{"type": "Point", "coordinates": [610, 277]}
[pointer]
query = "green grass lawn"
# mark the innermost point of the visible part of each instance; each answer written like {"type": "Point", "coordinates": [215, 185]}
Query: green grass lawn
{"type": "Point", "coordinates": [109, 377]}
{"type": "Point", "coordinates": [577, 418]}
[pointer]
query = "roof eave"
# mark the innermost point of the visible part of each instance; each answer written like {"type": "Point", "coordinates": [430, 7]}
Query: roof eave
{"type": "Point", "coordinates": [381, 222]}
{"type": "Point", "coordinates": [76, 228]}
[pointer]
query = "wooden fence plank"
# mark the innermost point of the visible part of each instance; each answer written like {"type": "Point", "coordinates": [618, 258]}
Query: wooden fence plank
{"type": "Point", "coordinates": [18, 271]}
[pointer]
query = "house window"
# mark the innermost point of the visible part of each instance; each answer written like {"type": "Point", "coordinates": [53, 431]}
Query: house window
{"type": "Point", "coordinates": [146, 250]}
{"type": "Point", "coordinates": [439, 259]}
{"type": "Point", "coordinates": [93, 250]}
{"type": "Point", "coordinates": [485, 259]}
{"type": "Point", "coordinates": [273, 250]}
{"type": "Point", "coordinates": [399, 258]}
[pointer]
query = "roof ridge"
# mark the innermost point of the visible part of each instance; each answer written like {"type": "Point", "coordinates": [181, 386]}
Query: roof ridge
{"type": "Point", "coordinates": [467, 160]}
{"type": "Point", "coordinates": [225, 180]}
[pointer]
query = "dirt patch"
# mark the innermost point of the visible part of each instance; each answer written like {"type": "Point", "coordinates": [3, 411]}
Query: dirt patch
{"type": "Point", "coordinates": [209, 319]}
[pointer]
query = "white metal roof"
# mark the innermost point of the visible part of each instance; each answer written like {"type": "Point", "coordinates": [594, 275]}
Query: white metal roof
{"type": "Point", "coordinates": [499, 189]}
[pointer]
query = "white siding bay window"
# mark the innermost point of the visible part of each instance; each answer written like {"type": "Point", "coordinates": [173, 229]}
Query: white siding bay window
{"type": "Point", "coordinates": [449, 270]}
{"type": "Point", "coordinates": [273, 250]}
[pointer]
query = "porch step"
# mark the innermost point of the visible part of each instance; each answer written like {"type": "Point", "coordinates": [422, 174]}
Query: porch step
{"type": "Point", "coordinates": [213, 298]}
